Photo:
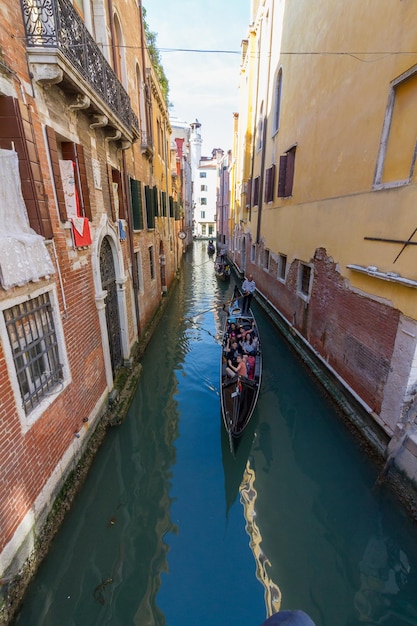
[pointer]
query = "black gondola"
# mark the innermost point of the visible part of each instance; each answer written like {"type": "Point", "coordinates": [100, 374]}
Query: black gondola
{"type": "Point", "coordinates": [239, 394]}
{"type": "Point", "coordinates": [222, 268]}
{"type": "Point", "coordinates": [211, 249]}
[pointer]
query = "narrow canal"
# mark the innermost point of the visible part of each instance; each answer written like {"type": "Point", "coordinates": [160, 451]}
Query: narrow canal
{"type": "Point", "coordinates": [170, 529]}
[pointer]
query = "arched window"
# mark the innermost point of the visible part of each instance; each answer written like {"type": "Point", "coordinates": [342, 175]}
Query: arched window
{"type": "Point", "coordinates": [119, 52]}
{"type": "Point", "coordinates": [277, 101]}
{"type": "Point", "coordinates": [140, 88]}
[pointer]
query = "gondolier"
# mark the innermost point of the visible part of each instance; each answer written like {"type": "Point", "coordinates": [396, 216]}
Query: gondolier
{"type": "Point", "coordinates": [248, 288]}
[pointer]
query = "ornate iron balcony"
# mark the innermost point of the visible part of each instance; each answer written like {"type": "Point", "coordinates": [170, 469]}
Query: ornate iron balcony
{"type": "Point", "coordinates": [56, 25]}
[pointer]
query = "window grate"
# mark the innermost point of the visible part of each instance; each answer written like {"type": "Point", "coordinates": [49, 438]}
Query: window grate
{"type": "Point", "coordinates": [31, 331]}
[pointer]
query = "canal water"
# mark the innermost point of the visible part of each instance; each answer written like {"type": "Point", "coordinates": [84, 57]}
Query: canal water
{"type": "Point", "coordinates": [171, 529]}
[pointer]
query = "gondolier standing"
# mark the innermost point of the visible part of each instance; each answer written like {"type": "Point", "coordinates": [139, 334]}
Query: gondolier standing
{"type": "Point", "coordinates": [248, 288]}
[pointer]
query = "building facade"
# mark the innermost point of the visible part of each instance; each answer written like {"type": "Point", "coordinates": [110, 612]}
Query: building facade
{"type": "Point", "coordinates": [324, 194]}
{"type": "Point", "coordinates": [89, 242]}
{"type": "Point", "coordinates": [205, 180]}
{"type": "Point", "coordinates": [181, 161]}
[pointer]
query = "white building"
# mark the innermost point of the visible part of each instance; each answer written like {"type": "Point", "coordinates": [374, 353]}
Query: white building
{"type": "Point", "coordinates": [205, 180]}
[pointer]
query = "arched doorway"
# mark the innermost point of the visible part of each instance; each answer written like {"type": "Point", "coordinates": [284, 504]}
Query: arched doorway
{"type": "Point", "coordinates": [108, 282]}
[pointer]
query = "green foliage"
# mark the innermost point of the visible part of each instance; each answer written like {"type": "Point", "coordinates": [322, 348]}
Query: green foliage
{"type": "Point", "coordinates": [156, 58]}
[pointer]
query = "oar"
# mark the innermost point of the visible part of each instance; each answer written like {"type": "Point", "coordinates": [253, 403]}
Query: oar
{"type": "Point", "coordinates": [213, 308]}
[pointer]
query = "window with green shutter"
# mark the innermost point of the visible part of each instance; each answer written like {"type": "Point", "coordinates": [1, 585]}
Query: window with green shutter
{"type": "Point", "coordinates": [150, 206]}
{"type": "Point", "coordinates": [164, 203]}
{"type": "Point", "coordinates": [136, 194]}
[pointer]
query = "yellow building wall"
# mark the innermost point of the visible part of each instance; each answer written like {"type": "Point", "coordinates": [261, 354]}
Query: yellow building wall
{"type": "Point", "coordinates": [337, 67]}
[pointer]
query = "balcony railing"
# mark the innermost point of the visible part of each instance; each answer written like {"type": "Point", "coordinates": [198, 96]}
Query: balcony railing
{"type": "Point", "coordinates": [56, 25]}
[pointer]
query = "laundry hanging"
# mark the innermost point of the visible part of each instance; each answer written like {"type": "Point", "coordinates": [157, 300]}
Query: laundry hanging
{"type": "Point", "coordinates": [23, 253]}
{"type": "Point", "coordinates": [80, 224]}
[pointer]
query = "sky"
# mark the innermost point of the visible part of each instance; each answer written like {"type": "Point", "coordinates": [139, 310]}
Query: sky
{"type": "Point", "coordinates": [202, 85]}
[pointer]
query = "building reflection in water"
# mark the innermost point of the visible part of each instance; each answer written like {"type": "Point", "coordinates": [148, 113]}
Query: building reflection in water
{"type": "Point", "coordinates": [248, 495]}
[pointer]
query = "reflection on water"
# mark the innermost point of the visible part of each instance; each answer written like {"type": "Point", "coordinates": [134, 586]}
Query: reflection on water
{"type": "Point", "coordinates": [248, 498]}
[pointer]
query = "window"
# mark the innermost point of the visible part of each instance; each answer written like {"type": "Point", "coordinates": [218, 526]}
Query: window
{"type": "Point", "coordinates": [277, 102]}
{"type": "Point", "coordinates": [398, 146]}
{"type": "Point", "coordinates": [164, 203]}
{"type": "Point", "coordinates": [304, 280]}
{"type": "Point", "coordinates": [69, 151]}
{"type": "Point", "coordinates": [203, 188]}
{"type": "Point", "coordinates": [16, 132]}
{"type": "Point", "coordinates": [255, 190]}
{"type": "Point", "coordinates": [269, 183]}
{"type": "Point", "coordinates": [203, 200]}
{"type": "Point", "coordinates": [202, 215]}
{"type": "Point", "coordinates": [253, 253]}
{"type": "Point", "coordinates": [203, 174]}
{"type": "Point", "coordinates": [282, 266]}
{"type": "Point", "coordinates": [136, 195]}
{"type": "Point", "coordinates": [31, 332]}
{"type": "Point", "coordinates": [150, 206]}
{"type": "Point", "coordinates": [286, 173]}
{"type": "Point", "coordinates": [266, 259]}
{"type": "Point", "coordinates": [203, 230]}
{"type": "Point", "coordinates": [151, 262]}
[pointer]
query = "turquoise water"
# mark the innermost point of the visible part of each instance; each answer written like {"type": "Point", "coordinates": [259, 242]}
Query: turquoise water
{"type": "Point", "coordinates": [171, 529]}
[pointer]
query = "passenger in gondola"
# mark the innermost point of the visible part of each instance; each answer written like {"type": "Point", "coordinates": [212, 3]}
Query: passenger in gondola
{"type": "Point", "coordinates": [232, 331]}
{"type": "Point", "coordinates": [239, 370]}
{"type": "Point", "coordinates": [247, 344]}
{"type": "Point", "coordinates": [251, 361]}
{"type": "Point", "coordinates": [232, 351]}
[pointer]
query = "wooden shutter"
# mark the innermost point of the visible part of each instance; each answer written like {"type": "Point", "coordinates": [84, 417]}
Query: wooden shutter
{"type": "Point", "coordinates": [75, 152]}
{"type": "Point", "coordinates": [282, 175]}
{"type": "Point", "coordinates": [83, 183]}
{"type": "Point", "coordinates": [164, 203]}
{"type": "Point", "coordinates": [269, 183]}
{"type": "Point", "coordinates": [286, 174]}
{"type": "Point", "coordinates": [150, 212]}
{"type": "Point", "coordinates": [16, 132]}
{"type": "Point", "coordinates": [136, 195]}
{"type": "Point", "coordinates": [117, 178]}
{"type": "Point", "coordinates": [156, 207]}
{"type": "Point", "coordinates": [53, 153]}
{"type": "Point", "coordinates": [255, 201]}
{"type": "Point", "coordinates": [110, 181]}
{"type": "Point", "coordinates": [289, 178]}
{"type": "Point", "coordinates": [249, 193]}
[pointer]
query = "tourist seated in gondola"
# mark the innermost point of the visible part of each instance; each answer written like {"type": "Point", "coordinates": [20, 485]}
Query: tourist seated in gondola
{"type": "Point", "coordinates": [250, 364]}
{"type": "Point", "coordinates": [239, 370]}
{"type": "Point", "coordinates": [232, 350]}
{"type": "Point", "coordinates": [247, 344]}
{"type": "Point", "coordinates": [232, 331]}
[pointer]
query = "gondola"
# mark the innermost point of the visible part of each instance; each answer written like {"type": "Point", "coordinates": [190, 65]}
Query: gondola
{"type": "Point", "coordinates": [239, 394]}
{"type": "Point", "coordinates": [222, 268]}
{"type": "Point", "coordinates": [211, 248]}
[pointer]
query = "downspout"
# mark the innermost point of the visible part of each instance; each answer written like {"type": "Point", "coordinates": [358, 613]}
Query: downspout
{"type": "Point", "coordinates": [264, 135]}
